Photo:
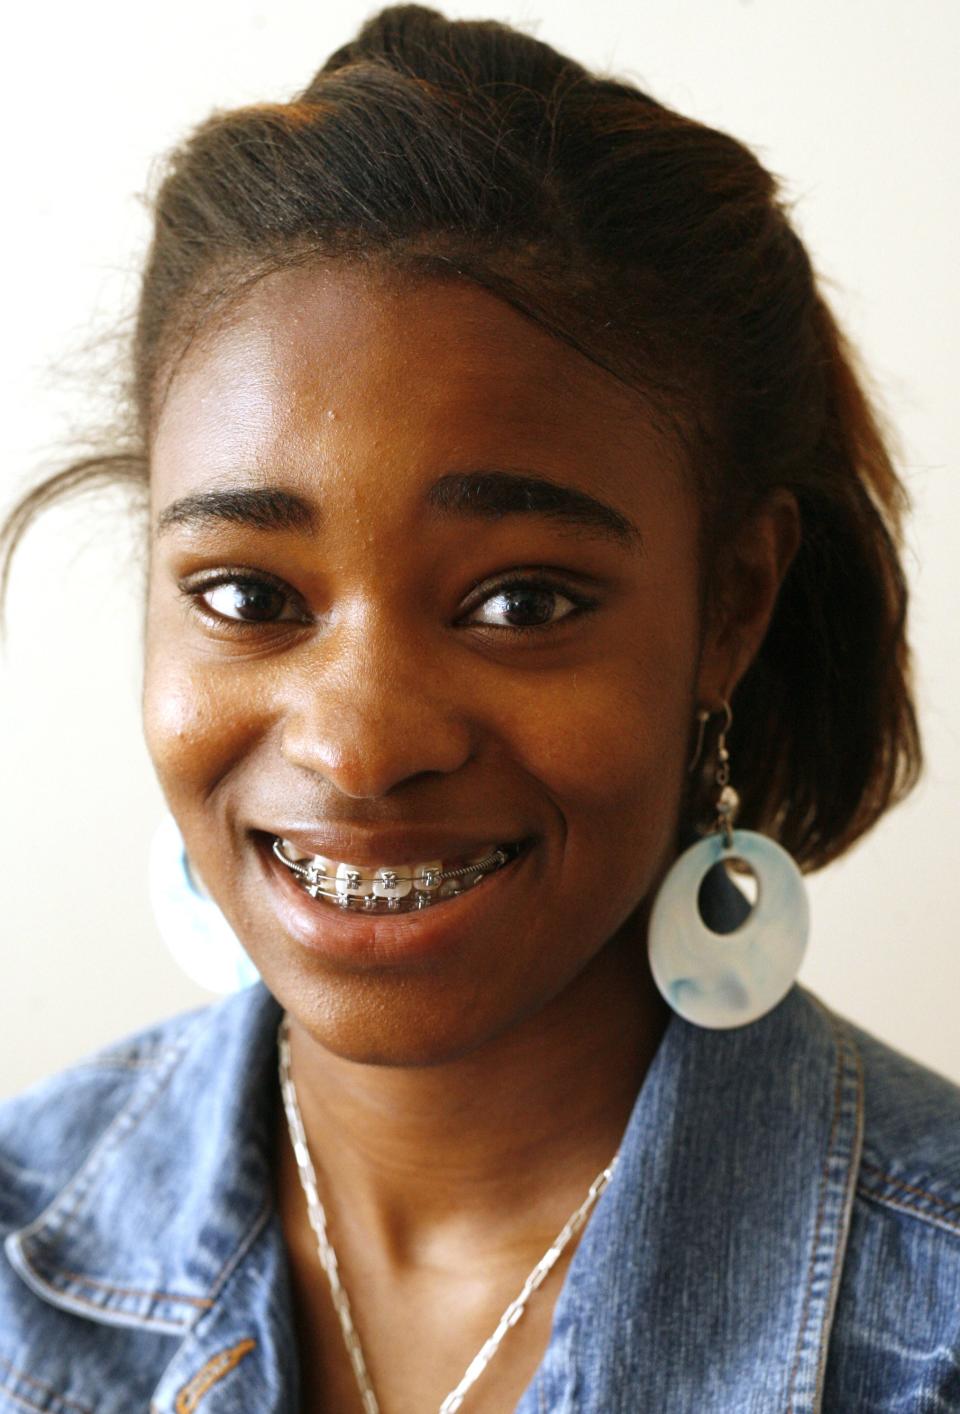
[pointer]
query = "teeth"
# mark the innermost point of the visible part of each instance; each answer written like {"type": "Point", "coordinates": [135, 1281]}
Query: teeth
{"type": "Point", "coordinates": [426, 877]}
{"type": "Point", "coordinates": [388, 882]}
{"type": "Point", "coordinates": [353, 880]}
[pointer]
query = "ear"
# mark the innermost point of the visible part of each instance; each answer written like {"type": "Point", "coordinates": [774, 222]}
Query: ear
{"type": "Point", "coordinates": [748, 573]}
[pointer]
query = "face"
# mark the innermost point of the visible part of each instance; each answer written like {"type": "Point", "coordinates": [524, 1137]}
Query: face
{"type": "Point", "coordinates": [423, 580]}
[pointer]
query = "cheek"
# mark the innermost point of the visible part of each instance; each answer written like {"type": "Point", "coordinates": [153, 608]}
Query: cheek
{"type": "Point", "coordinates": [608, 747]}
{"type": "Point", "coordinates": [194, 728]}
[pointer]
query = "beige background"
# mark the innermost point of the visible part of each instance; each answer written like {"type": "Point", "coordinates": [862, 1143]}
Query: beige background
{"type": "Point", "coordinates": [854, 104]}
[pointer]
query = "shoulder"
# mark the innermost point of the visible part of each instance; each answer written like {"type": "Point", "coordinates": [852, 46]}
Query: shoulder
{"type": "Point", "coordinates": [910, 1161]}
{"type": "Point", "coordinates": [49, 1130]}
{"type": "Point", "coordinates": [897, 1324]}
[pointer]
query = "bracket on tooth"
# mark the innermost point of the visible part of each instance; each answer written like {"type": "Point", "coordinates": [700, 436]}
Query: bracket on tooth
{"type": "Point", "coordinates": [423, 900]}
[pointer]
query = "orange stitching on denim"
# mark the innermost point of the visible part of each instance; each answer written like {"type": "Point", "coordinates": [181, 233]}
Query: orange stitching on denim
{"type": "Point", "coordinates": [910, 1208]}
{"type": "Point", "coordinates": [211, 1374]}
{"type": "Point", "coordinates": [203, 1301]}
{"type": "Point", "coordinates": [42, 1386]}
{"type": "Point", "coordinates": [908, 1187]}
{"type": "Point", "coordinates": [821, 1205]}
{"type": "Point", "coordinates": [23, 1402]}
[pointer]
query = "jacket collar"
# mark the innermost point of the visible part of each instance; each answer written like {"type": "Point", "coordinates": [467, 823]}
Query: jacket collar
{"type": "Point", "coordinates": [705, 1281]}
{"type": "Point", "coordinates": [147, 1231]}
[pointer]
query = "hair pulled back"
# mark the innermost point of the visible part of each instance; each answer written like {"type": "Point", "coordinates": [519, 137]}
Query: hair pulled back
{"type": "Point", "coordinates": [655, 245]}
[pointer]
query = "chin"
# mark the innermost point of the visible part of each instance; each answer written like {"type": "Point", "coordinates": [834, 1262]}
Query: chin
{"type": "Point", "coordinates": [387, 1021]}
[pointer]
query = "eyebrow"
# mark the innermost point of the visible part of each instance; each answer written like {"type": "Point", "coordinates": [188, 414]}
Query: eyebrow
{"type": "Point", "coordinates": [259, 508]}
{"type": "Point", "coordinates": [491, 495]}
{"type": "Point", "coordinates": [485, 495]}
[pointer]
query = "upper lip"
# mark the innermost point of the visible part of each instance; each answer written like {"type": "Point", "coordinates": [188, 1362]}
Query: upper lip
{"type": "Point", "coordinates": [372, 849]}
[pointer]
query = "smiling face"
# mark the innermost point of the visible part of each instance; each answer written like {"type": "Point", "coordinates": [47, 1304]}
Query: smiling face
{"type": "Point", "coordinates": [373, 630]}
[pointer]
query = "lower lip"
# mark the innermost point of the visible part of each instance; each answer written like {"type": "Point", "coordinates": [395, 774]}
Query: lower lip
{"type": "Point", "coordinates": [346, 936]}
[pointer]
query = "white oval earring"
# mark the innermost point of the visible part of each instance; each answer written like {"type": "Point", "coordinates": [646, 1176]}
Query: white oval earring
{"type": "Point", "coordinates": [726, 979]}
{"type": "Point", "coordinates": [191, 925]}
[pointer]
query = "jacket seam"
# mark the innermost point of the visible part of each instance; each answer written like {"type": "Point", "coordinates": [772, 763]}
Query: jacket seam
{"type": "Point", "coordinates": [40, 1385]}
{"type": "Point", "coordinates": [202, 1301]}
{"type": "Point", "coordinates": [844, 1038]}
{"type": "Point", "coordinates": [25, 1403]}
{"type": "Point", "coordinates": [227, 1270]}
{"type": "Point", "coordinates": [910, 1188]}
{"type": "Point", "coordinates": [79, 1305]}
{"type": "Point", "coordinates": [884, 1200]}
{"type": "Point", "coordinates": [821, 1207]}
{"type": "Point", "coordinates": [846, 1052]}
{"type": "Point", "coordinates": [64, 1205]}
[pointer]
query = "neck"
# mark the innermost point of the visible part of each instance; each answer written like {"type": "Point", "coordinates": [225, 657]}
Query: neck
{"type": "Point", "coordinates": [504, 1141]}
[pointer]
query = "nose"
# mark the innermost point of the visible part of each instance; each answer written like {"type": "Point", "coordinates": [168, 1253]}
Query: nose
{"type": "Point", "coordinates": [369, 710]}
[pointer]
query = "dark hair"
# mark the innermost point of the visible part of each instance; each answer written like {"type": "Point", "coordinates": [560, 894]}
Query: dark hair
{"type": "Point", "coordinates": [655, 245]}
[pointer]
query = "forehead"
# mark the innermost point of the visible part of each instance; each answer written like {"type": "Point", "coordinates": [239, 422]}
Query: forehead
{"type": "Point", "coordinates": [334, 361]}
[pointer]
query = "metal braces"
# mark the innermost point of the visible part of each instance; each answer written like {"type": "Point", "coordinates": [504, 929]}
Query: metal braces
{"type": "Point", "coordinates": [318, 884]}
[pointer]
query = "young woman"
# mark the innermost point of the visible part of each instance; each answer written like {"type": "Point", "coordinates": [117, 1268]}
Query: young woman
{"type": "Point", "coordinates": [522, 570]}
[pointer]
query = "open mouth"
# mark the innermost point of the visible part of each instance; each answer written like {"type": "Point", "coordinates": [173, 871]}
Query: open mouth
{"type": "Point", "coordinates": [392, 889]}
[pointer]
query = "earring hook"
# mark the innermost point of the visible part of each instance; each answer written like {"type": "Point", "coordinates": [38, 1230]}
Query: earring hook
{"type": "Point", "coordinates": [728, 800]}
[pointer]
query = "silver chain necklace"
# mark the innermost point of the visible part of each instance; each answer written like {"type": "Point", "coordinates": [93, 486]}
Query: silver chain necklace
{"type": "Point", "coordinates": [328, 1257]}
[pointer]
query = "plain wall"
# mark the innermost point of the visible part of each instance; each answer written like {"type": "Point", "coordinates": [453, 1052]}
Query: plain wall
{"type": "Point", "coordinates": [854, 105]}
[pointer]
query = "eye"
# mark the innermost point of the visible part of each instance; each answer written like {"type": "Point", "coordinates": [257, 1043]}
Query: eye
{"type": "Point", "coordinates": [527, 604]}
{"type": "Point", "coordinates": [245, 599]}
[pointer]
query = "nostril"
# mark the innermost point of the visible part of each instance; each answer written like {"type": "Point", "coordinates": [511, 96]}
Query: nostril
{"type": "Point", "coordinates": [366, 754]}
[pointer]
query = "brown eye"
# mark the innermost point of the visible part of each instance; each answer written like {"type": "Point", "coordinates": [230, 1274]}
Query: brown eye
{"type": "Point", "coordinates": [247, 600]}
{"type": "Point", "coordinates": [522, 605]}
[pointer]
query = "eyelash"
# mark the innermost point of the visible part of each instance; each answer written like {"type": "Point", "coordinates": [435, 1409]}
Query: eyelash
{"type": "Point", "coordinates": [194, 594]}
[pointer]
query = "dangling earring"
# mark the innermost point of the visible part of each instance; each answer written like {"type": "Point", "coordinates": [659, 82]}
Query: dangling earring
{"type": "Point", "coordinates": [721, 980]}
{"type": "Point", "coordinates": [200, 939]}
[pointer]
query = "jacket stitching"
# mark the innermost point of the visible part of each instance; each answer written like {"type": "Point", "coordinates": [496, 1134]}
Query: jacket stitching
{"type": "Point", "coordinates": [171, 1326]}
{"type": "Point", "coordinates": [846, 1052]}
{"type": "Point", "coordinates": [68, 1200]}
{"type": "Point", "coordinates": [42, 1386]}
{"type": "Point", "coordinates": [233, 1262]}
{"type": "Point", "coordinates": [906, 1188]}
{"type": "Point", "coordinates": [26, 1403]}
{"type": "Point", "coordinates": [203, 1301]}
{"type": "Point", "coordinates": [934, 1219]}
{"type": "Point", "coordinates": [821, 1206]}
{"type": "Point", "coordinates": [210, 1374]}
{"type": "Point", "coordinates": [848, 1042]}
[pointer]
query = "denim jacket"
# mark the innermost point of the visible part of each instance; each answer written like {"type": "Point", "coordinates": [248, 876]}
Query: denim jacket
{"type": "Point", "coordinates": [782, 1234]}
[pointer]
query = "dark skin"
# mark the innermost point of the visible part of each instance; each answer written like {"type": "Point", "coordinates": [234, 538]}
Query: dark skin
{"type": "Point", "coordinates": [458, 1099]}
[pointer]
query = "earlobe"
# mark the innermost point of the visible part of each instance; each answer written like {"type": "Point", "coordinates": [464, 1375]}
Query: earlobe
{"type": "Point", "coordinates": [748, 575]}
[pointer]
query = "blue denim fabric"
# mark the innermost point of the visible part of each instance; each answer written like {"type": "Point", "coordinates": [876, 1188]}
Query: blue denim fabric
{"type": "Point", "coordinates": [782, 1234]}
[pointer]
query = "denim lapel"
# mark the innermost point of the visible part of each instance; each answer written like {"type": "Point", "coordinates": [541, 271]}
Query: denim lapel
{"type": "Point", "coordinates": [706, 1280]}
{"type": "Point", "coordinates": [148, 1230]}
